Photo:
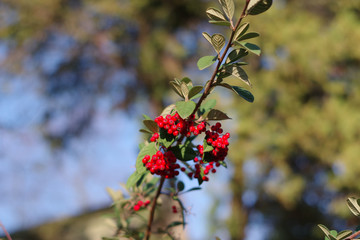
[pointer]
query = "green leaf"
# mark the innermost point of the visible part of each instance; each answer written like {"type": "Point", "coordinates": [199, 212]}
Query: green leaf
{"type": "Point", "coordinates": [145, 131]}
{"type": "Point", "coordinates": [141, 145]}
{"type": "Point", "coordinates": [240, 91]}
{"type": "Point", "coordinates": [184, 90]}
{"type": "Point", "coordinates": [325, 230]}
{"type": "Point", "coordinates": [193, 189]}
{"type": "Point", "coordinates": [218, 42]}
{"type": "Point", "coordinates": [133, 179]}
{"type": "Point", "coordinates": [207, 105]}
{"type": "Point", "coordinates": [196, 96]}
{"type": "Point", "coordinates": [151, 125]}
{"type": "Point", "coordinates": [207, 148]}
{"type": "Point", "coordinates": [222, 163]}
{"type": "Point", "coordinates": [187, 81]}
{"type": "Point", "coordinates": [184, 152]}
{"type": "Point", "coordinates": [166, 139]}
{"type": "Point", "coordinates": [218, 115]}
{"type": "Point", "coordinates": [220, 23]}
{"type": "Point", "coordinates": [248, 36]}
{"type": "Point", "coordinates": [180, 186]}
{"type": "Point", "coordinates": [146, 117]}
{"type": "Point", "coordinates": [251, 47]}
{"type": "Point", "coordinates": [241, 30]}
{"type": "Point", "coordinates": [174, 224]}
{"type": "Point", "coordinates": [207, 37]}
{"type": "Point", "coordinates": [168, 110]}
{"type": "Point", "coordinates": [228, 7]}
{"type": "Point", "coordinates": [353, 205]}
{"type": "Point", "coordinates": [195, 90]}
{"type": "Point", "coordinates": [238, 72]}
{"type": "Point", "coordinates": [236, 54]}
{"type": "Point", "coordinates": [185, 109]}
{"type": "Point", "coordinates": [258, 6]}
{"type": "Point", "coordinates": [343, 234]}
{"type": "Point", "coordinates": [176, 87]}
{"type": "Point", "coordinates": [215, 14]}
{"type": "Point", "coordinates": [150, 150]}
{"type": "Point", "coordinates": [206, 61]}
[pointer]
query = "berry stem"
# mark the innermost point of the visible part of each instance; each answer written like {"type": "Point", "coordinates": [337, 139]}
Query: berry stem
{"type": "Point", "coordinates": [153, 206]}
{"type": "Point", "coordinates": [353, 236]}
{"type": "Point", "coordinates": [6, 233]}
{"type": "Point", "coordinates": [221, 59]}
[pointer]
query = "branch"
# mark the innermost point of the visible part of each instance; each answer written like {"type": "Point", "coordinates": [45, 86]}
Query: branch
{"type": "Point", "coordinates": [353, 236]}
{"type": "Point", "coordinates": [6, 233]}
{"type": "Point", "coordinates": [153, 206]}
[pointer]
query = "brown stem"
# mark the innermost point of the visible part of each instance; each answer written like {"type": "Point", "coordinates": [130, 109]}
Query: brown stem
{"type": "Point", "coordinates": [4, 229]}
{"type": "Point", "coordinates": [152, 210]}
{"type": "Point", "coordinates": [353, 235]}
{"type": "Point", "coordinates": [221, 59]}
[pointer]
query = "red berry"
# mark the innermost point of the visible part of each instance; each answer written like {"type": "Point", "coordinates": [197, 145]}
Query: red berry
{"type": "Point", "coordinates": [147, 202]}
{"type": "Point", "coordinates": [140, 203]}
{"type": "Point", "coordinates": [136, 207]}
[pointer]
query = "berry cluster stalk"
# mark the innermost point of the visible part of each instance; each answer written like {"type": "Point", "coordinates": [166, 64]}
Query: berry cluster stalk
{"type": "Point", "coordinates": [202, 98]}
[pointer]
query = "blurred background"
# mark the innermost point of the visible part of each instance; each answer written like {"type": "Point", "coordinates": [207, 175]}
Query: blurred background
{"type": "Point", "coordinates": [76, 76]}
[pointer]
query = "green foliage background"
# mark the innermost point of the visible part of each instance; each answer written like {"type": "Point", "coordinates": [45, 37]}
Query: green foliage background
{"type": "Point", "coordinates": [303, 130]}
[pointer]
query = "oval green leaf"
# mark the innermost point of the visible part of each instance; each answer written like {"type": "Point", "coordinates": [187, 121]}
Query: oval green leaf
{"type": "Point", "coordinates": [206, 62]}
{"type": "Point", "coordinates": [185, 108]}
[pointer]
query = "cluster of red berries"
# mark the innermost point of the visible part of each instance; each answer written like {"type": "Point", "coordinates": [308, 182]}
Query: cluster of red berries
{"type": "Point", "coordinates": [141, 204]}
{"type": "Point", "coordinates": [163, 164]}
{"type": "Point", "coordinates": [175, 125]}
{"type": "Point", "coordinates": [174, 209]}
{"type": "Point", "coordinates": [218, 142]}
{"type": "Point", "coordinates": [154, 137]}
{"type": "Point", "coordinates": [219, 152]}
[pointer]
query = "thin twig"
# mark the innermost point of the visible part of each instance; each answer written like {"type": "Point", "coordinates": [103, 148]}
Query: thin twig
{"type": "Point", "coordinates": [152, 210]}
{"type": "Point", "coordinates": [355, 234]}
{"type": "Point", "coordinates": [221, 59]}
{"type": "Point", "coordinates": [6, 233]}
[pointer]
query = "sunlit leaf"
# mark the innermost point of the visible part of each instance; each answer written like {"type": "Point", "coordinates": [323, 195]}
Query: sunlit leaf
{"type": "Point", "coordinates": [168, 110]}
{"type": "Point", "coordinates": [220, 23]}
{"type": "Point", "coordinates": [207, 37]}
{"type": "Point", "coordinates": [215, 14]}
{"type": "Point", "coordinates": [176, 87]}
{"type": "Point", "coordinates": [195, 90]}
{"type": "Point", "coordinates": [206, 61]}
{"type": "Point", "coordinates": [150, 150]}
{"type": "Point", "coordinates": [353, 205]}
{"type": "Point", "coordinates": [251, 47]}
{"type": "Point", "coordinates": [241, 30]}
{"type": "Point", "coordinates": [228, 7]}
{"type": "Point", "coordinates": [184, 109]}
{"type": "Point", "coordinates": [207, 105]}
{"type": "Point", "coordinates": [343, 234]}
{"type": "Point", "coordinates": [236, 54]}
{"type": "Point", "coordinates": [238, 72]}
{"type": "Point", "coordinates": [218, 42]}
